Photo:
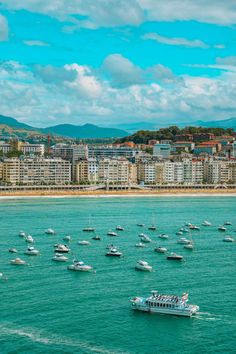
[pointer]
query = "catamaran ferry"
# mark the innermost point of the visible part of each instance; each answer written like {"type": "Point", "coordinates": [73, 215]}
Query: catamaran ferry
{"type": "Point", "coordinates": [165, 304]}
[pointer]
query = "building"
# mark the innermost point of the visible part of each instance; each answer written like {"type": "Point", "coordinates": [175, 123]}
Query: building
{"type": "Point", "coordinates": [26, 148]}
{"type": "Point", "coordinates": [86, 171]}
{"type": "Point", "coordinates": [114, 171]}
{"type": "Point", "coordinates": [109, 151]}
{"type": "Point", "coordinates": [72, 153]}
{"type": "Point", "coordinates": [162, 150]}
{"type": "Point", "coordinates": [173, 172]}
{"type": "Point", "coordinates": [146, 172]}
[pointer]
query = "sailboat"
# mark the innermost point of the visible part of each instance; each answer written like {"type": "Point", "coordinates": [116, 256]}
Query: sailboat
{"type": "Point", "coordinates": [89, 228]}
{"type": "Point", "coordinates": [190, 245]}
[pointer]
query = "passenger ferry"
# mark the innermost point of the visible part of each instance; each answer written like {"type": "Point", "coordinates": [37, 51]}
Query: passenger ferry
{"type": "Point", "coordinates": [165, 304]}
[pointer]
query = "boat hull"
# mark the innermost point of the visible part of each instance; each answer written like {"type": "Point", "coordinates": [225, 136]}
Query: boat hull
{"type": "Point", "coordinates": [174, 312]}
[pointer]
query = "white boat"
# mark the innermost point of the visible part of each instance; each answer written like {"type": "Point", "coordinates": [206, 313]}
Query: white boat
{"type": "Point", "coordinates": [113, 252]}
{"type": "Point", "coordinates": [184, 229]}
{"type": "Point", "coordinates": [79, 266]}
{"type": "Point", "coordinates": [194, 227]}
{"type": "Point", "coordinates": [141, 225]}
{"type": "Point", "coordinates": [163, 236]}
{"type": "Point", "coordinates": [83, 242]}
{"type": "Point", "coordinates": [67, 238]}
{"type": "Point", "coordinates": [29, 239]}
{"type": "Point", "coordinates": [50, 232]}
{"type": "Point", "coordinates": [228, 239]}
{"type": "Point", "coordinates": [146, 239]}
{"type": "Point", "coordinates": [183, 241]}
{"type": "Point", "coordinates": [111, 233]}
{"type": "Point", "coordinates": [140, 245]}
{"type": "Point", "coordinates": [227, 223]}
{"type": "Point", "coordinates": [89, 229]}
{"type": "Point", "coordinates": [142, 235]}
{"type": "Point", "coordinates": [206, 223]}
{"type": "Point", "coordinates": [18, 261]}
{"type": "Point", "coordinates": [59, 248]}
{"type": "Point", "coordinates": [174, 256]}
{"type": "Point", "coordinates": [222, 228]}
{"type": "Point", "coordinates": [165, 304]}
{"type": "Point", "coordinates": [160, 249]}
{"type": "Point", "coordinates": [179, 233]}
{"type": "Point", "coordinates": [119, 228]}
{"type": "Point", "coordinates": [96, 237]}
{"type": "Point", "coordinates": [31, 251]}
{"type": "Point", "coordinates": [22, 234]}
{"type": "Point", "coordinates": [59, 258]}
{"type": "Point", "coordinates": [12, 250]}
{"type": "Point", "coordinates": [152, 227]}
{"type": "Point", "coordinates": [143, 265]}
{"type": "Point", "coordinates": [189, 246]}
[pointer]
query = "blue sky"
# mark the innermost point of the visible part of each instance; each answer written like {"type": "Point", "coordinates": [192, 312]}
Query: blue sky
{"type": "Point", "coordinates": [112, 62]}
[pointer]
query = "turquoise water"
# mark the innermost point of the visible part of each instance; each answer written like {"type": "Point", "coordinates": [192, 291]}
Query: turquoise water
{"type": "Point", "coordinates": [47, 309]}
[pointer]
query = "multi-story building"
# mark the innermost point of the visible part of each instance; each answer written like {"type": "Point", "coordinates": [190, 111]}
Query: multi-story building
{"type": "Point", "coordinates": [114, 170]}
{"type": "Point", "coordinates": [173, 172]}
{"type": "Point", "coordinates": [26, 148]}
{"type": "Point", "coordinates": [109, 151]}
{"type": "Point", "coordinates": [86, 171]}
{"type": "Point", "coordinates": [72, 153]}
{"type": "Point", "coordinates": [146, 172]}
{"type": "Point", "coordinates": [162, 150]}
{"type": "Point", "coordinates": [36, 171]}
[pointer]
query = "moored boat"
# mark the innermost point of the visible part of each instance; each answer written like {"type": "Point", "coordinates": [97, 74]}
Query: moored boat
{"type": "Point", "coordinates": [67, 238]}
{"type": "Point", "coordinates": [228, 239]}
{"type": "Point", "coordinates": [22, 234]}
{"type": "Point", "coordinates": [59, 248]}
{"type": "Point", "coordinates": [83, 242]}
{"type": "Point", "coordinates": [143, 265]}
{"type": "Point", "coordinates": [174, 256]}
{"type": "Point", "coordinates": [119, 228]}
{"type": "Point", "coordinates": [97, 238]}
{"type": "Point", "coordinates": [140, 245]}
{"type": "Point", "coordinates": [206, 223]}
{"type": "Point", "coordinates": [50, 232]}
{"type": "Point", "coordinates": [152, 227]}
{"type": "Point", "coordinates": [12, 250]}
{"type": "Point", "coordinates": [18, 261]}
{"type": "Point", "coordinates": [160, 249]}
{"type": "Point", "coordinates": [163, 236]}
{"type": "Point", "coordinates": [29, 239]}
{"type": "Point", "coordinates": [183, 241]}
{"type": "Point", "coordinates": [113, 252]}
{"type": "Point", "coordinates": [80, 266]}
{"type": "Point", "coordinates": [31, 251]}
{"type": "Point", "coordinates": [111, 233]}
{"type": "Point", "coordinates": [89, 229]}
{"type": "Point", "coordinates": [222, 228]}
{"type": "Point", "coordinates": [59, 257]}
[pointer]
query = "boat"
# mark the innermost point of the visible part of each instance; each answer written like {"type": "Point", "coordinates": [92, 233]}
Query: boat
{"type": "Point", "coordinates": [22, 234]}
{"type": "Point", "coordinates": [222, 228]}
{"type": "Point", "coordinates": [227, 223]}
{"type": "Point", "coordinates": [165, 304]}
{"type": "Point", "coordinates": [29, 239]}
{"type": "Point", "coordinates": [50, 232]}
{"type": "Point", "coordinates": [160, 249]}
{"type": "Point", "coordinates": [119, 228]}
{"type": "Point", "coordinates": [79, 266]}
{"type": "Point", "coordinates": [83, 242]}
{"type": "Point", "coordinates": [97, 238]}
{"type": "Point", "coordinates": [142, 235]}
{"type": "Point", "coordinates": [18, 261]}
{"type": "Point", "coordinates": [67, 238]}
{"type": "Point", "coordinates": [113, 252]}
{"type": "Point", "coordinates": [140, 245]}
{"type": "Point", "coordinates": [143, 265]}
{"type": "Point", "coordinates": [194, 227]}
{"type": "Point", "coordinates": [141, 225]}
{"type": "Point", "coordinates": [146, 239]}
{"type": "Point", "coordinates": [12, 250]}
{"type": "Point", "coordinates": [31, 251]}
{"type": "Point", "coordinates": [89, 229]}
{"type": "Point", "coordinates": [111, 233]}
{"type": "Point", "coordinates": [206, 223]}
{"type": "Point", "coordinates": [184, 229]}
{"type": "Point", "coordinates": [183, 241]}
{"type": "Point", "coordinates": [59, 248]}
{"type": "Point", "coordinates": [174, 256]}
{"type": "Point", "coordinates": [163, 236]}
{"type": "Point", "coordinates": [152, 227]}
{"type": "Point", "coordinates": [228, 239]}
{"type": "Point", "coordinates": [189, 246]}
{"type": "Point", "coordinates": [59, 258]}
{"type": "Point", "coordinates": [179, 233]}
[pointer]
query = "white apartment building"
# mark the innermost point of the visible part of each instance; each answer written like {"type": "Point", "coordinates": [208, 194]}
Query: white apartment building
{"type": "Point", "coordinates": [162, 150]}
{"type": "Point", "coordinates": [73, 153]}
{"type": "Point", "coordinates": [26, 148]}
{"type": "Point", "coordinates": [192, 171]}
{"type": "Point", "coordinates": [116, 171]}
{"type": "Point", "coordinates": [146, 172]}
{"type": "Point", "coordinates": [173, 172]}
{"type": "Point", "coordinates": [86, 171]}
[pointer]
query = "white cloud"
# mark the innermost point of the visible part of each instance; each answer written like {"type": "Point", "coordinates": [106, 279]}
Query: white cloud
{"type": "Point", "coordinates": [175, 41]}
{"type": "Point", "coordinates": [4, 31]}
{"type": "Point", "coordinates": [33, 42]}
{"type": "Point", "coordinates": [131, 12]}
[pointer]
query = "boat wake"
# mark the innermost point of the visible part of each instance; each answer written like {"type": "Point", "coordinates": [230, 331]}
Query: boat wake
{"type": "Point", "coordinates": [38, 337]}
{"type": "Point", "coordinates": [207, 316]}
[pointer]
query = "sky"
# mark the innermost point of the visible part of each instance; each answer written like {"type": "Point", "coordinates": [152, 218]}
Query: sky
{"type": "Point", "coordinates": [117, 62]}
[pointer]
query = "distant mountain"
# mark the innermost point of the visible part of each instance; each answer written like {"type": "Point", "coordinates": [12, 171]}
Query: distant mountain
{"type": "Point", "coordinates": [224, 123]}
{"type": "Point", "coordinates": [85, 131]}
{"type": "Point", "coordinates": [133, 127]}
{"type": "Point", "coordinates": [13, 123]}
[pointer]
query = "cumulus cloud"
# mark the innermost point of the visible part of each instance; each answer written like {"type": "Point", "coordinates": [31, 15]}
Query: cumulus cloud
{"type": "Point", "coordinates": [53, 74]}
{"type": "Point", "coordinates": [132, 12]}
{"type": "Point", "coordinates": [175, 41]}
{"type": "Point", "coordinates": [36, 43]}
{"type": "Point", "coordinates": [231, 60]}
{"type": "Point", "coordinates": [86, 97]}
{"type": "Point", "coordinates": [4, 31]}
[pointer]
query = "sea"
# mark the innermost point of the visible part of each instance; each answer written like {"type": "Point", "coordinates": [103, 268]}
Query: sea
{"type": "Point", "coordinates": [47, 309]}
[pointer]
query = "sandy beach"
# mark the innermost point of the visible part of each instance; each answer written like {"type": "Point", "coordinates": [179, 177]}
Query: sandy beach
{"type": "Point", "coordinates": [124, 193]}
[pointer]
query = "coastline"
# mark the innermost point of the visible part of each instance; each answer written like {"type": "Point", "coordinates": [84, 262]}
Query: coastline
{"type": "Point", "coordinates": [125, 193]}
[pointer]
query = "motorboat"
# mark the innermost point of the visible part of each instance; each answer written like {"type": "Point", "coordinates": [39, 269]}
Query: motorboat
{"type": "Point", "coordinates": [83, 242]}
{"type": "Point", "coordinates": [140, 245]}
{"type": "Point", "coordinates": [79, 266]}
{"type": "Point", "coordinates": [59, 258]}
{"type": "Point", "coordinates": [143, 265]}
{"type": "Point", "coordinates": [29, 239]}
{"type": "Point", "coordinates": [184, 229]}
{"type": "Point", "coordinates": [119, 228]}
{"type": "Point", "coordinates": [206, 223]}
{"type": "Point", "coordinates": [18, 261]}
{"type": "Point", "coordinates": [12, 250]}
{"type": "Point", "coordinates": [50, 232]}
{"type": "Point", "coordinates": [189, 246]}
{"type": "Point", "coordinates": [152, 227]}
{"type": "Point", "coordinates": [222, 228]}
{"type": "Point", "coordinates": [174, 256]}
{"type": "Point", "coordinates": [141, 225]}
{"type": "Point", "coordinates": [146, 239]}
{"type": "Point", "coordinates": [183, 241]}
{"type": "Point", "coordinates": [142, 235]}
{"type": "Point", "coordinates": [22, 234]}
{"type": "Point", "coordinates": [59, 248]}
{"type": "Point", "coordinates": [227, 223]}
{"type": "Point", "coordinates": [188, 224]}
{"type": "Point", "coordinates": [31, 251]}
{"type": "Point", "coordinates": [113, 252]}
{"type": "Point", "coordinates": [228, 239]}
{"type": "Point", "coordinates": [194, 227]}
{"type": "Point", "coordinates": [163, 236]}
{"type": "Point", "coordinates": [179, 233]}
{"type": "Point", "coordinates": [160, 249]}
{"type": "Point", "coordinates": [97, 238]}
{"type": "Point", "coordinates": [89, 229]}
{"type": "Point", "coordinates": [111, 233]}
{"type": "Point", "coordinates": [67, 238]}
{"type": "Point", "coordinates": [165, 304]}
